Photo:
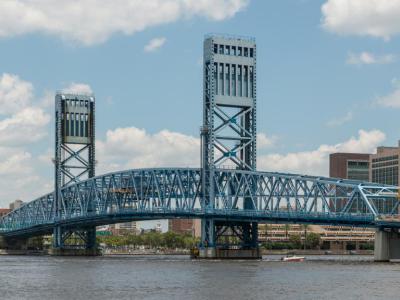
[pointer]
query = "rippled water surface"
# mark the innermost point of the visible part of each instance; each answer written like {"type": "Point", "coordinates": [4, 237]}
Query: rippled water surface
{"type": "Point", "coordinates": [178, 277]}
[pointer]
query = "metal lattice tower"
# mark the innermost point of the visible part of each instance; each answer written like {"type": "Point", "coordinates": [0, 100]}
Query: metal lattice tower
{"type": "Point", "coordinates": [74, 151]}
{"type": "Point", "coordinates": [229, 114]}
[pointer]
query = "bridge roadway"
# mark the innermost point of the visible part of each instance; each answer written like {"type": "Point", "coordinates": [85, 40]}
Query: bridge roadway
{"type": "Point", "coordinates": [147, 194]}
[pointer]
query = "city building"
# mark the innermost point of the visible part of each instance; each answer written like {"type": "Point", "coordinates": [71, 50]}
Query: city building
{"type": "Point", "coordinates": [16, 204]}
{"type": "Point", "coordinates": [123, 228]}
{"type": "Point", "coordinates": [353, 166]}
{"type": "Point", "coordinates": [385, 165]}
{"type": "Point", "coordinates": [349, 166]}
{"type": "Point", "coordinates": [4, 211]}
{"type": "Point", "coordinates": [332, 237]}
{"type": "Point", "coordinates": [185, 226]}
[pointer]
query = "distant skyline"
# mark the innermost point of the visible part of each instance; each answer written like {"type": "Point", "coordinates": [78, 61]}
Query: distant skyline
{"type": "Point", "coordinates": [328, 80]}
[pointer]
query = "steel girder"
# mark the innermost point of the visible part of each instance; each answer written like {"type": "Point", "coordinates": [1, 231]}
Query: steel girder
{"type": "Point", "coordinates": [176, 193]}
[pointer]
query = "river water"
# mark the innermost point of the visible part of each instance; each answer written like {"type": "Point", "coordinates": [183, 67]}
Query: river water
{"type": "Point", "coordinates": [178, 277]}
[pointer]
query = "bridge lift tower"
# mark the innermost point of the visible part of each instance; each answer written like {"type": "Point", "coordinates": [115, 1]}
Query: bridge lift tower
{"type": "Point", "coordinates": [74, 161]}
{"type": "Point", "coordinates": [228, 137]}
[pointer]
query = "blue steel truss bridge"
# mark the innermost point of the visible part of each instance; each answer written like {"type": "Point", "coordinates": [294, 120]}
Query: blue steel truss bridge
{"type": "Point", "coordinates": [148, 194]}
{"type": "Point", "coordinates": [227, 192]}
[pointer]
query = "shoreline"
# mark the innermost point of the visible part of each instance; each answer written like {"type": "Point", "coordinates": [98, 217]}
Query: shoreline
{"type": "Point", "coordinates": [187, 252]}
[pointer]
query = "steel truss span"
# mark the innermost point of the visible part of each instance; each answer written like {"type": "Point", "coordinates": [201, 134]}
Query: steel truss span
{"type": "Point", "coordinates": [147, 194]}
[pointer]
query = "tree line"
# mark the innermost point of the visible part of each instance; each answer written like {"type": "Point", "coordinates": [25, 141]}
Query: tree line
{"type": "Point", "coordinates": [168, 240]}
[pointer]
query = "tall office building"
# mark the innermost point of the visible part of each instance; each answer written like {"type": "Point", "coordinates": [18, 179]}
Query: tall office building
{"type": "Point", "coordinates": [349, 166]}
{"type": "Point", "coordinates": [385, 165]}
{"type": "Point", "coordinates": [353, 166]}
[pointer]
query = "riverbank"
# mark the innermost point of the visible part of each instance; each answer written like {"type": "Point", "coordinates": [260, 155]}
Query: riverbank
{"type": "Point", "coordinates": [107, 252]}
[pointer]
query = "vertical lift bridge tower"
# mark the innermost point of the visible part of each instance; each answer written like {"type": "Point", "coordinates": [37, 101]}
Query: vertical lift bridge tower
{"type": "Point", "coordinates": [228, 137]}
{"type": "Point", "coordinates": [74, 161]}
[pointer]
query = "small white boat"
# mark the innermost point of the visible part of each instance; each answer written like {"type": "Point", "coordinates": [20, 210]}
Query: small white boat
{"type": "Point", "coordinates": [293, 258]}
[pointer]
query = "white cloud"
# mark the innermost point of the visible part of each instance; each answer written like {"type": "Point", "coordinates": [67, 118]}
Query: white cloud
{"type": "Point", "coordinates": [263, 141]}
{"type": "Point", "coordinates": [393, 99]}
{"type": "Point", "coordinates": [155, 44]}
{"type": "Point", "coordinates": [367, 58]}
{"type": "Point", "coordinates": [14, 93]}
{"type": "Point", "coordinates": [376, 18]}
{"type": "Point", "coordinates": [132, 147]}
{"type": "Point", "coordinates": [78, 88]}
{"type": "Point", "coordinates": [26, 126]}
{"type": "Point", "coordinates": [316, 162]}
{"type": "Point", "coordinates": [94, 21]}
{"type": "Point", "coordinates": [19, 176]}
{"type": "Point", "coordinates": [24, 120]}
{"type": "Point", "coordinates": [341, 120]}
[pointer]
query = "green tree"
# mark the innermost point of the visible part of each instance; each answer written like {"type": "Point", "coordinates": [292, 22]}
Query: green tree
{"type": "Point", "coordinates": [295, 241]}
{"type": "Point", "coordinates": [305, 227]}
{"type": "Point", "coordinates": [287, 228]}
{"type": "Point", "coordinates": [313, 240]}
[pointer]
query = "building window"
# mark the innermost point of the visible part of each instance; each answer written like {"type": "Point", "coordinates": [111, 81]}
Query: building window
{"type": "Point", "coordinates": [227, 50]}
{"type": "Point", "coordinates": [221, 49]}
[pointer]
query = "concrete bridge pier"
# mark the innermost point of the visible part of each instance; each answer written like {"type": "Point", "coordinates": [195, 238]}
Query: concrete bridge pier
{"type": "Point", "coordinates": [387, 245]}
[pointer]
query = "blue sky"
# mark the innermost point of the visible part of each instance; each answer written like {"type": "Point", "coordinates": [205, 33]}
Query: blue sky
{"type": "Point", "coordinates": [327, 80]}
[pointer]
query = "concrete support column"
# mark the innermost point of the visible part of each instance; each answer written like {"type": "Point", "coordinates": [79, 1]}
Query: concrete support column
{"type": "Point", "coordinates": [381, 249]}
{"type": "Point", "coordinates": [387, 245]}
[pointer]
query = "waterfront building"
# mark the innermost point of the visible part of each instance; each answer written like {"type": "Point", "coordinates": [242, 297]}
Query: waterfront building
{"type": "Point", "coordinates": [341, 165]}
{"type": "Point", "coordinates": [16, 204]}
{"type": "Point", "coordinates": [185, 226]}
{"type": "Point", "coordinates": [332, 237]}
{"type": "Point", "coordinates": [349, 166]}
{"type": "Point", "coordinates": [4, 211]}
{"type": "Point", "coordinates": [123, 228]}
{"type": "Point", "coordinates": [385, 165]}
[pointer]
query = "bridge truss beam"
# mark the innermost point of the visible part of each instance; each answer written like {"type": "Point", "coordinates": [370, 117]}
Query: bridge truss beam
{"type": "Point", "coordinates": [149, 194]}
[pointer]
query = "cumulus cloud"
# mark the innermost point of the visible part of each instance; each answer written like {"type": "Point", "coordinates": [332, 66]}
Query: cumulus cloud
{"type": "Point", "coordinates": [15, 93]}
{"type": "Point", "coordinates": [376, 18]}
{"type": "Point", "coordinates": [23, 122]}
{"type": "Point", "coordinates": [155, 44]}
{"type": "Point", "coordinates": [19, 176]}
{"type": "Point", "coordinates": [315, 162]}
{"type": "Point", "coordinates": [367, 58]}
{"type": "Point", "coordinates": [340, 120]}
{"type": "Point", "coordinates": [132, 147]}
{"type": "Point", "coordinates": [94, 21]}
{"type": "Point", "coordinates": [26, 126]}
{"type": "Point", "coordinates": [25, 119]}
